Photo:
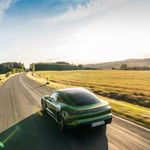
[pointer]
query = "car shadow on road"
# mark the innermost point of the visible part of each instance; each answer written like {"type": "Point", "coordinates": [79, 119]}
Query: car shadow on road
{"type": "Point", "coordinates": [40, 132]}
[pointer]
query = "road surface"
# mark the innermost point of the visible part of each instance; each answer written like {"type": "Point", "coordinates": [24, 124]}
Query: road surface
{"type": "Point", "coordinates": [24, 127]}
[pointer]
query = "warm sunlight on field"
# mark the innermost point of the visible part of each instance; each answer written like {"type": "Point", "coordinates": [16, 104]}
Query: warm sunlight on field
{"type": "Point", "coordinates": [130, 86]}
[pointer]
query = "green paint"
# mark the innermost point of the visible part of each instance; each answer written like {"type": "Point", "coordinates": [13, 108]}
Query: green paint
{"type": "Point", "coordinates": [2, 145]}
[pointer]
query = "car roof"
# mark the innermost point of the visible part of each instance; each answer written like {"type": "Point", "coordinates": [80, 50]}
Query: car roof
{"type": "Point", "coordinates": [79, 96]}
{"type": "Point", "coordinates": [74, 90]}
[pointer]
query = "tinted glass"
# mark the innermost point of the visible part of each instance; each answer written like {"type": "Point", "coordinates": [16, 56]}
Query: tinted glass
{"type": "Point", "coordinates": [54, 96]}
{"type": "Point", "coordinates": [81, 98]}
{"type": "Point", "coordinates": [60, 99]}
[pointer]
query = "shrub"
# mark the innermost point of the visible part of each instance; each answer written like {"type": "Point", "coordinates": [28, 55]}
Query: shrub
{"type": "Point", "coordinates": [8, 74]}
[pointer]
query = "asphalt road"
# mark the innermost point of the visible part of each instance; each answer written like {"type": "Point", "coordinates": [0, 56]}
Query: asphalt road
{"type": "Point", "coordinates": [24, 127]}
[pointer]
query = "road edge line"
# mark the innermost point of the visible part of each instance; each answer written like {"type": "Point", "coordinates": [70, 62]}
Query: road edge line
{"type": "Point", "coordinates": [132, 123]}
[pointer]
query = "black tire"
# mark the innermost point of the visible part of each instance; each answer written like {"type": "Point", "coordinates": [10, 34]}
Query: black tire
{"type": "Point", "coordinates": [43, 106]}
{"type": "Point", "coordinates": [60, 122]}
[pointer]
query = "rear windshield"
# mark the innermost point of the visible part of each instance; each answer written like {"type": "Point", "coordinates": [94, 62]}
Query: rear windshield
{"type": "Point", "coordinates": [82, 98]}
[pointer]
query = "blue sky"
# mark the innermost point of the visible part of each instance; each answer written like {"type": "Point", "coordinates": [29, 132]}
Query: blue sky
{"type": "Point", "coordinates": [38, 8]}
{"type": "Point", "coordinates": [77, 31]}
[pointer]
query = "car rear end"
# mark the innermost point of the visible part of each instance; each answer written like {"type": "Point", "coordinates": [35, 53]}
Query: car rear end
{"type": "Point", "coordinates": [85, 108]}
{"type": "Point", "coordinates": [90, 116]}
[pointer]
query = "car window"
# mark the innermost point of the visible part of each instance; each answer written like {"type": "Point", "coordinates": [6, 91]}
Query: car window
{"type": "Point", "coordinates": [81, 98]}
{"type": "Point", "coordinates": [60, 99]}
{"type": "Point", "coordinates": [54, 96]}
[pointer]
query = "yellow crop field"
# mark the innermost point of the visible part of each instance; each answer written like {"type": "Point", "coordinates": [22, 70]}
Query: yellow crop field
{"type": "Point", "coordinates": [130, 86]}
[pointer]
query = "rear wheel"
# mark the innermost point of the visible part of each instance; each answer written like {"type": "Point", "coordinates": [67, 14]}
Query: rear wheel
{"type": "Point", "coordinates": [60, 122]}
{"type": "Point", "coordinates": [43, 105]}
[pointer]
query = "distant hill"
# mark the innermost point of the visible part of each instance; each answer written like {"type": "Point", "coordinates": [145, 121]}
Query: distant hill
{"type": "Point", "coordinates": [116, 64]}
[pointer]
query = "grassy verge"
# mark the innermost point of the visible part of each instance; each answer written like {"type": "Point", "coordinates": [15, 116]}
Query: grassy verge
{"type": "Point", "coordinates": [2, 78]}
{"type": "Point", "coordinates": [135, 113]}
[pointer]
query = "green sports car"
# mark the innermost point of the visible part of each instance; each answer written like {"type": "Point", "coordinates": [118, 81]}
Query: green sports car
{"type": "Point", "coordinates": [73, 107]}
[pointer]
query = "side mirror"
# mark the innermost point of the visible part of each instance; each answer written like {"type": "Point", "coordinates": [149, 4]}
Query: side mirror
{"type": "Point", "coordinates": [50, 99]}
{"type": "Point", "coordinates": [46, 96]}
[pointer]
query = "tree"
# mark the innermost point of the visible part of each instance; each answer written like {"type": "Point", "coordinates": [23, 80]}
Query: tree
{"type": "Point", "coordinates": [11, 67]}
{"type": "Point", "coordinates": [124, 67]}
{"type": "Point", "coordinates": [80, 67]}
{"type": "Point", "coordinates": [32, 68]}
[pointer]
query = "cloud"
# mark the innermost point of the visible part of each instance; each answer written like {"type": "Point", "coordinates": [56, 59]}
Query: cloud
{"type": "Point", "coordinates": [119, 30]}
{"type": "Point", "coordinates": [94, 7]}
{"type": "Point", "coordinates": [4, 5]}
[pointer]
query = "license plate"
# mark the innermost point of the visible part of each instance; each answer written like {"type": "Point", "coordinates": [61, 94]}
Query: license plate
{"type": "Point", "coordinates": [98, 123]}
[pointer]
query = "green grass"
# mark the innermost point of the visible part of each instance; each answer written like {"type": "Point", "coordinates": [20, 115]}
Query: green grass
{"type": "Point", "coordinates": [126, 91]}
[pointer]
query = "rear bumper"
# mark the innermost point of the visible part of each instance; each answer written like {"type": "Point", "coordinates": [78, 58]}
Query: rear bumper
{"type": "Point", "coordinates": [88, 123]}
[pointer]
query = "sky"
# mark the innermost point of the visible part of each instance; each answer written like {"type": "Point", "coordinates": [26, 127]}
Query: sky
{"type": "Point", "coordinates": [76, 31]}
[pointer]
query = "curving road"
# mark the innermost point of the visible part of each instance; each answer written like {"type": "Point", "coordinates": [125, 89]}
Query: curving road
{"type": "Point", "coordinates": [24, 127]}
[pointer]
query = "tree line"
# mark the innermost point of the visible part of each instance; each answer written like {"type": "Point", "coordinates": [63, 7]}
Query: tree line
{"type": "Point", "coordinates": [126, 67]}
{"type": "Point", "coordinates": [11, 67]}
{"type": "Point", "coordinates": [55, 66]}
{"type": "Point", "coordinates": [58, 66]}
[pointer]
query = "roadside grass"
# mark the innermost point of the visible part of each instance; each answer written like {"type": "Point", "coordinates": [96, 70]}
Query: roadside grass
{"type": "Point", "coordinates": [135, 113]}
{"type": "Point", "coordinates": [2, 78]}
{"type": "Point", "coordinates": [128, 84]}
